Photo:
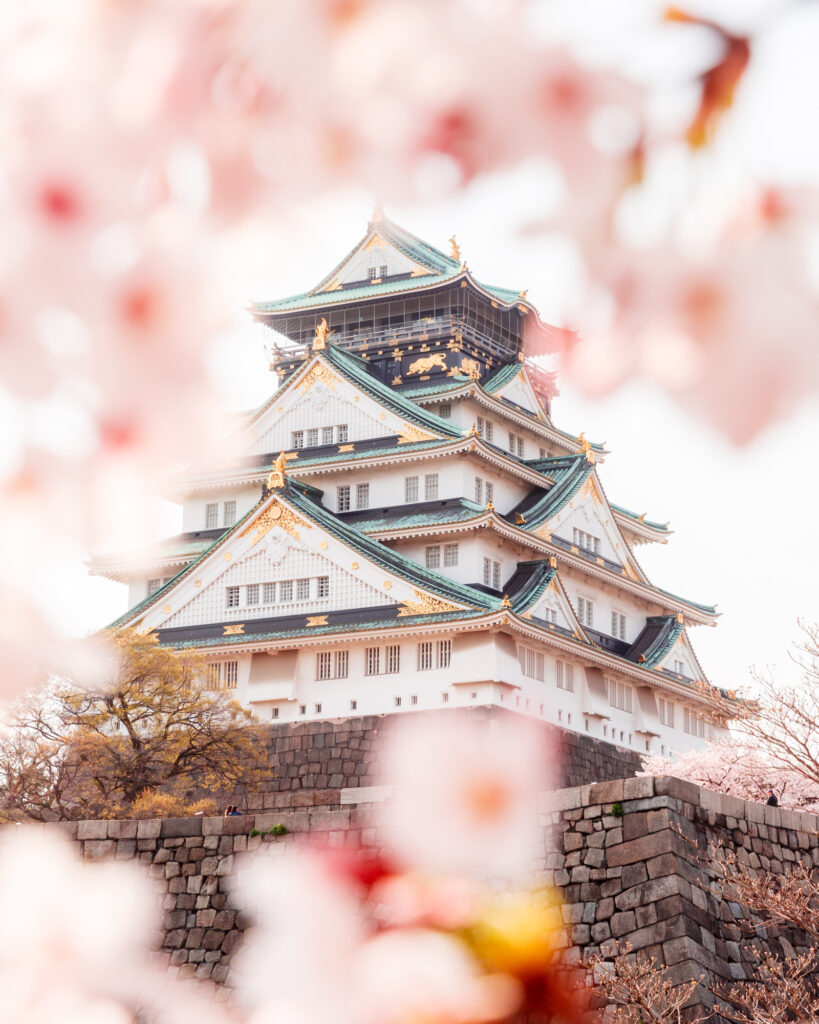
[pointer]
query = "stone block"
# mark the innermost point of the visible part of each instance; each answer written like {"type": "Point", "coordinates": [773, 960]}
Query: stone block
{"type": "Point", "coordinates": [238, 825]}
{"type": "Point", "coordinates": [122, 829]}
{"type": "Point", "coordinates": [126, 849]}
{"type": "Point", "coordinates": [98, 849]}
{"type": "Point", "coordinates": [92, 829]}
{"type": "Point", "coordinates": [180, 827]}
{"type": "Point", "coordinates": [645, 848]}
{"type": "Point", "coordinates": [638, 788]}
{"type": "Point", "coordinates": [149, 828]}
{"type": "Point", "coordinates": [647, 892]}
{"type": "Point", "coordinates": [607, 792]}
{"type": "Point", "coordinates": [666, 785]}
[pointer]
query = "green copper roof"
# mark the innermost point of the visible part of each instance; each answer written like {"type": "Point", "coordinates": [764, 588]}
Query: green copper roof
{"type": "Point", "coordinates": [422, 514]}
{"type": "Point", "coordinates": [449, 384]}
{"type": "Point", "coordinates": [442, 269]}
{"type": "Point", "coordinates": [569, 473]}
{"type": "Point", "coordinates": [529, 583]}
{"type": "Point", "coordinates": [502, 376]}
{"type": "Point", "coordinates": [663, 527]}
{"type": "Point", "coordinates": [711, 609]}
{"type": "Point", "coordinates": [655, 640]}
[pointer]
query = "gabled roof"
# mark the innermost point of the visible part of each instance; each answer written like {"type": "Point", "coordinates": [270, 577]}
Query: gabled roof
{"type": "Point", "coordinates": [356, 371]}
{"type": "Point", "coordinates": [569, 472]}
{"type": "Point", "coordinates": [302, 499]}
{"type": "Point", "coordinates": [433, 268]}
{"type": "Point", "coordinates": [426, 513]}
{"type": "Point", "coordinates": [640, 518]}
{"type": "Point", "coordinates": [655, 640]}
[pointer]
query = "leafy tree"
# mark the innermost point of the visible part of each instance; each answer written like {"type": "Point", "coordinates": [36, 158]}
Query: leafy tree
{"type": "Point", "coordinates": [72, 751]}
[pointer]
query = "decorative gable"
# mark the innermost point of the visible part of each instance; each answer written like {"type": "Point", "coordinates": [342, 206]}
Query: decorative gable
{"type": "Point", "coordinates": [281, 562]}
{"type": "Point", "coordinates": [587, 523]}
{"type": "Point", "coordinates": [520, 392]}
{"type": "Point", "coordinates": [320, 399]}
{"type": "Point", "coordinates": [373, 260]}
{"type": "Point", "coordinates": [682, 660]}
{"type": "Point", "coordinates": [553, 607]}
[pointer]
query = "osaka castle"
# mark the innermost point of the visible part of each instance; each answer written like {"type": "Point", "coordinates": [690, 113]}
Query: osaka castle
{"type": "Point", "coordinates": [406, 527]}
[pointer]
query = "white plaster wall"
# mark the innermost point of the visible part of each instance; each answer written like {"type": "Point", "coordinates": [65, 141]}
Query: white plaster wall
{"type": "Point", "coordinates": [193, 509]}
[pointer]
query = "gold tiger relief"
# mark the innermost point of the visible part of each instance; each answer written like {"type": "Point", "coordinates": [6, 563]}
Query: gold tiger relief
{"type": "Point", "coordinates": [426, 364]}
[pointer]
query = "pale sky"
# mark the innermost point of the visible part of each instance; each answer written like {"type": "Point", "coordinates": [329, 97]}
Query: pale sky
{"type": "Point", "coordinates": [742, 517]}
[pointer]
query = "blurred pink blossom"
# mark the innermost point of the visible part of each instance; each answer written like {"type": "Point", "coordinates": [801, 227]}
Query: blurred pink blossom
{"type": "Point", "coordinates": [464, 794]}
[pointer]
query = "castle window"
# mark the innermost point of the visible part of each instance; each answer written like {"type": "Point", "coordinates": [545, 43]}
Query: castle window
{"type": "Point", "coordinates": [444, 653]}
{"type": "Point", "coordinates": [302, 590]}
{"type": "Point", "coordinates": [542, 455]}
{"type": "Point", "coordinates": [372, 659]}
{"type": "Point", "coordinates": [286, 591]}
{"type": "Point", "coordinates": [425, 656]}
{"type": "Point", "coordinates": [549, 615]}
{"type": "Point", "coordinates": [516, 444]}
{"type": "Point", "coordinates": [531, 663]}
{"type": "Point", "coordinates": [490, 492]}
{"type": "Point", "coordinates": [317, 709]}
{"type": "Point", "coordinates": [620, 695]}
{"type": "Point", "coordinates": [430, 486]}
{"type": "Point", "coordinates": [586, 541]}
{"type": "Point", "coordinates": [153, 586]}
{"type": "Point", "coordinates": [565, 676]}
{"type": "Point", "coordinates": [384, 270]}
{"type": "Point", "coordinates": [372, 273]}
{"type": "Point", "coordinates": [414, 698]}
{"type": "Point", "coordinates": [478, 491]}
{"type": "Point", "coordinates": [297, 439]}
{"type": "Point", "coordinates": [398, 702]}
{"type": "Point", "coordinates": [269, 593]}
{"type": "Point", "coordinates": [444, 697]}
{"type": "Point", "coordinates": [450, 554]}
{"type": "Point", "coordinates": [362, 495]}
{"type": "Point", "coordinates": [252, 593]}
{"type": "Point", "coordinates": [393, 658]}
{"type": "Point", "coordinates": [433, 554]}
{"type": "Point", "coordinates": [341, 662]}
{"type": "Point", "coordinates": [343, 433]}
{"type": "Point", "coordinates": [353, 705]}
{"type": "Point", "coordinates": [274, 712]}
{"type": "Point", "coordinates": [585, 611]}
{"type": "Point", "coordinates": [445, 410]}
{"type": "Point", "coordinates": [679, 667]}
{"type": "Point", "coordinates": [618, 625]}
{"type": "Point", "coordinates": [223, 675]}
{"type": "Point", "coordinates": [229, 513]}
{"type": "Point", "coordinates": [327, 435]}
{"type": "Point", "coordinates": [410, 489]}
{"type": "Point", "coordinates": [233, 597]}
{"type": "Point", "coordinates": [332, 664]}
{"type": "Point", "coordinates": [323, 586]}
{"type": "Point", "coordinates": [312, 438]}
{"type": "Point", "coordinates": [491, 574]}
{"type": "Point", "coordinates": [323, 665]}
{"type": "Point", "coordinates": [212, 515]}
{"type": "Point", "coordinates": [302, 709]}
{"type": "Point", "coordinates": [343, 498]}
{"type": "Point", "coordinates": [693, 723]}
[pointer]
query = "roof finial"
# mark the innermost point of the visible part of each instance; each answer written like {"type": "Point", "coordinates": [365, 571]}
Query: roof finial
{"type": "Point", "coordinates": [506, 603]}
{"type": "Point", "coordinates": [378, 213]}
{"type": "Point", "coordinates": [275, 480]}
{"type": "Point", "coordinates": [522, 295]}
{"type": "Point", "coordinates": [455, 249]}
{"type": "Point", "coordinates": [322, 333]}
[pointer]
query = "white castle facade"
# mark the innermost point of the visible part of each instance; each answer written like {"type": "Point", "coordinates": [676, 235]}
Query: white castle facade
{"type": "Point", "coordinates": [407, 529]}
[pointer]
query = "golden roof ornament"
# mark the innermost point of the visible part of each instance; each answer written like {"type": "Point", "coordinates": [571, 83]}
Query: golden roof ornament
{"type": "Point", "coordinates": [455, 250]}
{"type": "Point", "coordinates": [520, 519]}
{"type": "Point", "coordinates": [506, 603]}
{"type": "Point", "coordinates": [322, 334]}
{"type": "Point", "coordinates": [490, 506]}
{"type": "Point", "coordinates": [275, 480]}
{"type": "Point", "coordinates": [584, 444]}
{"type": "Point", "coordinates": [473, 430]}
{"type": "Point", "coordinates": [522, 295]}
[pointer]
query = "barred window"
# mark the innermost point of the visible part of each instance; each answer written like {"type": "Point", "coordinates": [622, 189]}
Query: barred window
{"type": "Point", "coordinates": [679, 667]}
{"type": "Point", "coordinates": [297, 439]}
{"type": "Point", "coordinates": [372, 661]}
{"type": "Point", "coordinates": [516, 444]}
{"type": "Point", "coordinates": [443, 650]}
{"type": "Point", "coordinates": [341, 663]}
{"type": "Point", "coordinates": [585, 611]}
{"type": "Point", "coordinates": [618, 625]}
{"type": "Point", "coordinates": [317, 709]}
{"type": "Point", "coordinates": [531, 663]}
{"type": "Point", "coordinates": [343, 498]}
{"type": "Point", "coordinates": [383, 270]}
{"type": "Point", "coordinates": [233, 597]}
{"type": "Point", "coordinates": [327, 435]}
{"type": "Point", "coordinates": [410, 489]}
{"type": "Point", "coordinates": [362, 496]}
{"type": "Point", "coordinates": [312, 437]}
{"type": "Point", "coordinates": [496, 575]}
{"type": "Point", "coordinates": [223, 675]}
{"type": "Point", "coordinates": [565, 676]}
{"type": "Point", "coordinates": [323, 586]}
{"type": "Point", "coordinates": [274, 712]}
{"type": "Point", "coordinates": [587, 541]}
{"type": "Point", "coordinates": [430, 486]}
{"type": "Point", "coordinates": [212, 515]}
{"type": "Point", "coordinates": [343, 433]}
{"type": "Point", "coordinates": [372, 273]}
{"type": "Point", "coordinates": [490, 493]}
{"type": "Point", "coordinates": [393, 658]}
{"type": "Point", "coordinates": [620, 695]}
{"type": "Point", "coordinates": [478, 491]}
{"type": "Point", "coordinates": [433, 556]}
{"type": "Point", "coordinates": [324, 664]}
{"type": "Point", "coordinates": [252, 593]}
{"type": "Point", "coordinates": [666, 709]}
{"type": "Point", "coordinates": [230, 513]}
{"type": "Point", "coordinates": [693, 723]}
{"type": "Point", "coordinates": [491, 574]}
{"type": "Point", "coordinates": [424, 656]}
{"type": "Point", "coordinates": [450, 554]}
{"type": "Point", "coordinates": [269, 593]}
{"type": "Point", "coordinates": [153, 586]}
{"type": "Point", "coordinates": [231, 674]}
{"type": "Point", "coordinates": [445, 410]}
{"type": "Point", "coordinates": [302, 590]}
{"type": "Point", "coordinates": [286, 591]}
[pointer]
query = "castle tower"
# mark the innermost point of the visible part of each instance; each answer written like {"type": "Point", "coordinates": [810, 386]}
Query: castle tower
{"type": "Point", "coordinates": [407, 529]}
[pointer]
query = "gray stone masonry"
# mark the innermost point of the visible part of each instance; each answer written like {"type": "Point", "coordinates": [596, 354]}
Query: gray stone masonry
{"type": "Point", "coordinates": [627, 855]}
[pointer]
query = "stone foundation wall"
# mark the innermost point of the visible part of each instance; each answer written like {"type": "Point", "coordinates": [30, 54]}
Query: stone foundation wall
{"type": "Point", "coordinates": [311, 762]}
{"type": "Point", "coordinates": [626, 854]}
